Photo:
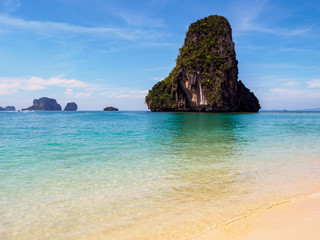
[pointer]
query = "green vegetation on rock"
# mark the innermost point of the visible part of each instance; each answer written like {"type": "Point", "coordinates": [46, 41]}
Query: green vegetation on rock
{"type": "Point", "coordinates": [202, 47]}
{"type": "Point", "coordinates": [200, 53]}
{"type": "Point", "coordinates": [206, 73]}
{"type": "Point", "coordinates": [161, 94]}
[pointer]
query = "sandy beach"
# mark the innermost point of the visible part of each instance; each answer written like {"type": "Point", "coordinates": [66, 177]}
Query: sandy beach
{"type": "Point", "coordinates": [294, 220]}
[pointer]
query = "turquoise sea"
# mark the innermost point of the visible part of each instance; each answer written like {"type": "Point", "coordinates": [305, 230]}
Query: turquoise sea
{"type": "Point", "coordinates": [144, 175]}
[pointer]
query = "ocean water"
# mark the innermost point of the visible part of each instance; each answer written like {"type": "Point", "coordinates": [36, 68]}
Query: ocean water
{"type": "Point", "coordinates": [143, 175]}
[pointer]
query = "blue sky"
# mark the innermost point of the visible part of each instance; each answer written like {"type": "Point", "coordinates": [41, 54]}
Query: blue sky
{"type": "Point", "coordinates": [109, 53]}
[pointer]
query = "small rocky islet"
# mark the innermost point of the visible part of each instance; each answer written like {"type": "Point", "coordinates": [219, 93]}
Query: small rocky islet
{"type": "Point", "coordinates": [8, 109]}
{"type": "Point", "coordinates": [44, 104]}
{"type": "Point", "coordinates": [72, 106]}
{"type": "Point", "coordinates": [205, 77]}
{"type": "Point", "coordinates": [49, 104]}
{"type": "Point", "coordinates": [110, 109]}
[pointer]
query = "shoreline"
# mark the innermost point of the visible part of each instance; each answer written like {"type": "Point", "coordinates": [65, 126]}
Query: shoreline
{"type": "Point", "coordinates": [289, 220]}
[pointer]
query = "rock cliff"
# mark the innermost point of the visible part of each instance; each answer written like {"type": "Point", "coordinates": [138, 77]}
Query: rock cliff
{"type": "Point", "coordinates": [44, 104]}
{"type": "Point", "coordinates": [205, 77]}
{"type": "Point", "coordinates": [71, 107]}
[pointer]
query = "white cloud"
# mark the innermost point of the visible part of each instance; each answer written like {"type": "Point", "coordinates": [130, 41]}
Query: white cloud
{"type": "Point", "coordinates": [57, 81]}
{"type": "Point", "coordinates": [68, 91]}
{"type": "Point", "coordinates": [310, 68]}
{"type": "Point", "coordinates": [276, 81]}
{"type": "Point", "coordinates": [284, 32]}
{"type": "Point", "coordinates": [83, 95]}
{"type": "Point", "coordinates": [130, 96]}
{"type": "Point", "coordinates": [49, 28]}
{"type": "Point", "coordinates": [293, 94]}
{"type": "Point", "coordinates": [13, 85]}
{"type": "Point", "coordinates": [301, 50]}
{"type": "Point", "coordinates": [10, 5]}
{"type": "Point", "coordinates": [313, 95]}
{"type": "Point", "coordinates": [287, 92]}
{"type": "Point", "coordinates": [292, 83]}
{"type": "Point", "coordinates": [7, 88]}
{"type": "Point", "coordinates": [248, 19]}
{"type": "Point", "coordinates": [137, 19]}
{"type": "Point", "coordinates": [314, 83]}
{"type": "Point", "coordinates": [247, 14]}
{"type": "Point", "coordinates": [124, 93]}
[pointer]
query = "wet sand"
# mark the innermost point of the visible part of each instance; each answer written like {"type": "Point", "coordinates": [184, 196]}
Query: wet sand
{"type": "Point", "coordinates": [288, 221]}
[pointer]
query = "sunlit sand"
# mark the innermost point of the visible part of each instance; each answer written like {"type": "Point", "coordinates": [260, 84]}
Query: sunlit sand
{"type": "Point", "coordinates": [288, 221]}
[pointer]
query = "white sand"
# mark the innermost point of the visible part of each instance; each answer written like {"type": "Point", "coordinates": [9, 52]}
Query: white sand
{"type": "Point", "coordinates": [298, 220]}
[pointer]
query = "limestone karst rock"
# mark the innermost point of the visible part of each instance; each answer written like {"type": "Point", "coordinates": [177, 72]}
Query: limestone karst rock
{"type": "Point", "coordinates": [10, 108]}
{"type": "Point", "coordinates": [110, 109]}
{"type": "Point", "coordinates": [44, 104]}
{"type": "Point", "coordinates": [72, 106]}
{"type": "Point", "coordinates": [205, 77]}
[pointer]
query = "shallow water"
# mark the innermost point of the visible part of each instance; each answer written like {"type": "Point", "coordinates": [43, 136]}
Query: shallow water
{"type": "Point", "coordinates": [136, 175]}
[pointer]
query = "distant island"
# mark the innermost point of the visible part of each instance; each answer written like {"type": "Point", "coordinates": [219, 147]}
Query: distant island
{"type": "Point", "coordinates": [8, 109]}
{"type": "Point", "coordinates": [44, 104]}
{"type": "Point", "coordinates": [110, 109]}
{"type": "Point", "coordinates": [72, 106]}
{"type": "Point", "coordinates": [292, 110]}
{"type": "Point", "coordinates": [205, 77]}
{"type": "Point", "coordinates": [311, 110]}
{"type": "Point", "coordinates": [49, 104]}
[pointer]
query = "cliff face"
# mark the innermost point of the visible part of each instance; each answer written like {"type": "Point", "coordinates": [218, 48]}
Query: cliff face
{"type": "Point", "coordinates": [205, 77]}
{"type": "Point", "coordinates": [44, 104]}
